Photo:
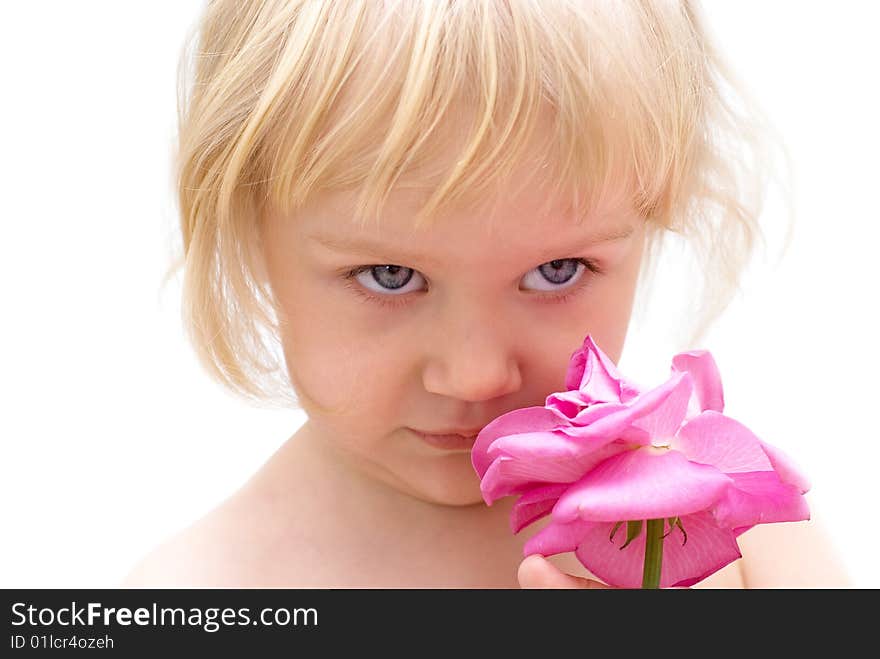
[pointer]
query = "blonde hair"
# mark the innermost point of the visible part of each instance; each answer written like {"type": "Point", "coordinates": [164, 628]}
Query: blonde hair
{"type": "Point", "coordinates": [281, 99]}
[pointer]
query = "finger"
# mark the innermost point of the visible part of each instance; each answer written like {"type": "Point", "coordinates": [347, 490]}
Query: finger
{"type": "Point", "coordinates": [537, 572]}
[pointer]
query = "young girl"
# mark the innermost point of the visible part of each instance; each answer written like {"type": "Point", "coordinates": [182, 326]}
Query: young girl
{"type": "Point", "coordinates": [404, 217]}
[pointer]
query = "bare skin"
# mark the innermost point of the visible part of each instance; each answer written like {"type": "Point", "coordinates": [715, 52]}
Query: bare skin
{"type": "Point", "coordinates": [301, 521]}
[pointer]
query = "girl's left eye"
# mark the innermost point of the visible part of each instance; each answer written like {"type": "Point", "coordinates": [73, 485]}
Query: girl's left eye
{"type": "Point", "coordinates": [548, 277]}
{"type": "Point", "coordinates": [555, 273]}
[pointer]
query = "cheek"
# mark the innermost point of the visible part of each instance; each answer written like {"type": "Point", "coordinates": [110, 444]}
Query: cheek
{"type": "Point", "coordinates": [604, 312]}
{"type": "Point", "coordinates": [609, 323]}
{"type": "Point", "coordinates": [614, 307]}
{"type": "Point", "coordinates": [338, 365]}
{"type": "Point", "coordinates": [335, 363]}
{"type": "Point", "coordinates": [549, 360]}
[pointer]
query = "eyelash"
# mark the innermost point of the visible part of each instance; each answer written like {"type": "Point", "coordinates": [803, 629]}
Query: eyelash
{"type": "Point", "coordinates": [395, 301]}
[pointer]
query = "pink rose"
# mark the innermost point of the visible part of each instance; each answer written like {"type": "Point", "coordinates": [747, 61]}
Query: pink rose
{"type": "Point", "coordinates": [605, 452]}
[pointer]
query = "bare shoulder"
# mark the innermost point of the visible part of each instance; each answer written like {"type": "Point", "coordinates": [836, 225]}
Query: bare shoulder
{"type": "Point", "coordinates": [253, 538]}
{"type": "Point", "coordinates": [208, 553]}
{"type": "Point", "coordinates": [256, 538]}
{"type": "Point", "coordinates": [792, 555]}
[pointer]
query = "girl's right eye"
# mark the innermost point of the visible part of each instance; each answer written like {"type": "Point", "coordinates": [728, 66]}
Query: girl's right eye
{"type": "Point", "coordinates": [385, 279]}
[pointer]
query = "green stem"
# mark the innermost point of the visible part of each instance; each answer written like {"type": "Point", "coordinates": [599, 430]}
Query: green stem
{"type": "Point", "coordinates": [653, 553]}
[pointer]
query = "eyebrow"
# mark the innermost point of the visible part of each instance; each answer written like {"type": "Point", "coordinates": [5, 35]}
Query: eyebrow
{"type": "Point", "coordinates": [366, 247]}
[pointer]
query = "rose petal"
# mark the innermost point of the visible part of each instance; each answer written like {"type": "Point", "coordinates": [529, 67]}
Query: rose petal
{"type": "Point", "coordinates": [538, 446]}
{"type": "Point", "coordinates": [535, 504]}
{"type": "Point", "coordinates": [569, 403]}
{"type": "Point", "coordinates": [726, 444]}
{"type": "Point", "coordinates": [760, 497]}
{"type": "Point", "coordinates": [555, 456]}
{"type": "Point", "coordinates": [540, 457]}
{"type": "Point", "coordinates": [786, 468]}
{"type": "Point", "coordinates": [607, 420]}
{"type": "Point", "coordinates": [498, 483]}
{"type": "Point", "coordinates": [707, 379]}
{"type": "Point", "coordinates": [593, 373]}
{"type": "Point", "coordinates": [655, 413]}
{"type": "Point", "coordinates": [558, 538]}
{"type": "Point", "coordinates": [708, 549]}
{"type": "Point", "coordinates": [644, 483]}
{"type": "Point", "coordinates": [533, 419]}
{"type": "Point", "coordinates": [665, 419]}
{"type": "Point", "coordinates": [535, 458]}
{"type": "Point", "coordinates": [592, 414]}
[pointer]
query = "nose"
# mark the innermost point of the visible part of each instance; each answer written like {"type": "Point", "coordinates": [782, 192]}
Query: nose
{"type": "Point", "coordinates": [472, 355]}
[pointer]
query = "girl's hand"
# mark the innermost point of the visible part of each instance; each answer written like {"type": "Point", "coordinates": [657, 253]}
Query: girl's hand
{"type": "Point", "coordinates": [537, 572]}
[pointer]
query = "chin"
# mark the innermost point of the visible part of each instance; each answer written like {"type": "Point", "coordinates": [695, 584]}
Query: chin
{"type": "Point", "coordinates": [451, 482]}
{"type": "Point", "coordinates": [459, 499]}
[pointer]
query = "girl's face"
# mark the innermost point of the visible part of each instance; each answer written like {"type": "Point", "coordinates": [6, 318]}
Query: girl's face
{"type": "Point", "coordinates": [444, 329]}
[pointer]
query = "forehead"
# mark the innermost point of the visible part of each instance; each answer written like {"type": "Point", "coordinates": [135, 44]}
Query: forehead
{"type": "Point", "coordinates": [522, 211]}
{"type": "Point", "coordinates": [518, 228]}
{"type": "Point", "coordinates": [525, 184]}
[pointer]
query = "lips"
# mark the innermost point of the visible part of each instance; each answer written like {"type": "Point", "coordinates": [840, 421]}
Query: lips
{"type": "Point", "coordinates": [454, 431]}
{"type": "Point", "coordinates": [450, 441]}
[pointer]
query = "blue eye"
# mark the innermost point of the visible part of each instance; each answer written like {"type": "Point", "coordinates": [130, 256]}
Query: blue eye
{"type": "Point", "coordinates": [391, 280]}
{"type": "Point", "coordinates": [556, 273]}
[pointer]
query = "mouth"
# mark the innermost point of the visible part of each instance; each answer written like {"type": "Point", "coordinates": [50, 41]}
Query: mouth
{"type": "Point", "coordinates": [448, 442]}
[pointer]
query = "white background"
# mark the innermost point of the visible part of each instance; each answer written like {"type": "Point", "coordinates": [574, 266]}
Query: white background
{"type": "Point", "coordinates": [111, 435]}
